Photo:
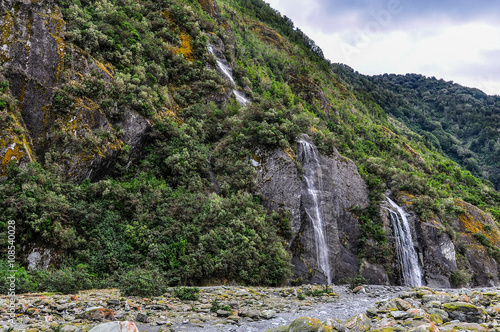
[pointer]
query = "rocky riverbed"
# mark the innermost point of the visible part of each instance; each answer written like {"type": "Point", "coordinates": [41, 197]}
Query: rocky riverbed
{"type": "Point", "coordinates": [254, 309]}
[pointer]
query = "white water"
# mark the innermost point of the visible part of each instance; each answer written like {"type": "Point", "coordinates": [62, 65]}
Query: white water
{"type": "Point", "coordinates": [408, 259]}
{"type": "Point", "coordinates": [241, 98]}
{"type": "Point", "coordinates": [226, 69]}
{"type": "Point", "coordinates": [312, 172]}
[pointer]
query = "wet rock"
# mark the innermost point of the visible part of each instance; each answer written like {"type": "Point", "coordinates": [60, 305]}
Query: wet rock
{"type": "Point", "coordinates": [374, 273]}
{"type": "Point", "coordinates": [341, 189]}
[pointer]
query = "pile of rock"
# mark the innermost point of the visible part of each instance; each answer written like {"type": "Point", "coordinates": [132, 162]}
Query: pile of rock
{"type": "Point", "coordinates": [216, 306]}
{"type": "Point", "coordinates": [421, 309]}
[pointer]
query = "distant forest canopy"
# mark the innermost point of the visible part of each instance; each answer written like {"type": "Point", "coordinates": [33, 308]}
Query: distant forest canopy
{"type": "Point", "coordinates": [463, 123]}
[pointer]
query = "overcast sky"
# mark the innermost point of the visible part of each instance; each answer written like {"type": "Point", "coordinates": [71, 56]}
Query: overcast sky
{"type": "Point", "coordinates": [457, 40]}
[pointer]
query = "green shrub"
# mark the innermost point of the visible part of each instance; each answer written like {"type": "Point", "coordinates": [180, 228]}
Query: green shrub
{"type": "Point", "coordinates": [186, 293]}
{"type": "Point", "coordinates": [481, 237]}
{"type": "Point", "coordinates": [68, 280]}
{"type": "Point", "coordinates": [319, 291]}
{"type": "Point", "coordinates": [217, 306]}
{"type": "Point", "coordinates": [26, 281]}
{"type": "Point", "coordinates": [460, 277]}
{"type": "Point", "coordinates": [143, 282]}
{"type": "Point", "coordinates": [354, 282]}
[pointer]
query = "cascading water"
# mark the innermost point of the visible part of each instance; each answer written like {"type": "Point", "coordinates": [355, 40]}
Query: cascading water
{"type": "Point", "coordinates": [226, 69]}
{"type": "Point", "coordinates": [310, 190]}
{"type": "Point", "coordinates": [408, 259]}
{"type": "Point", "coordinates": [241, 98]}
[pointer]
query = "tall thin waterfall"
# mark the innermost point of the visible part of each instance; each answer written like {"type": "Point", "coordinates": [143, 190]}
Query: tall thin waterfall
{"type": "Point", "coordinates": [408, 259]}
{"type": "Point", "coordinates": [226, 69]}
{"type": "Point", "coordinates": [311, 190]}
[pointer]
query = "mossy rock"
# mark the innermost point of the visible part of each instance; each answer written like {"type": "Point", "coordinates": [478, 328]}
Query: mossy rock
{"type": "Point", "coordinates": [436, 319]}
{"type": "Point", "coordinates": [465, 312]}
{"type": "Point", "coordinates": [306, 324]}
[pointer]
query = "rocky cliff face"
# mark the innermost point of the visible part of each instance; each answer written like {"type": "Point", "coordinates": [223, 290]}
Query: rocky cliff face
{"type": "Point", "coordinates": [443, 252]}
{"type": "Point", "coordinates": [283, 186]}
{"type": "Point", "coordinates": [457, 252]}
{"type": "Point", "coordinates": [41, 68]}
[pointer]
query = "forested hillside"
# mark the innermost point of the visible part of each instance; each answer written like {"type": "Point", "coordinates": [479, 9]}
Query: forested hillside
{"type": "Point", "coordinates": [126, 153]}
{"type": "Point", "coordinates": [461, 122]}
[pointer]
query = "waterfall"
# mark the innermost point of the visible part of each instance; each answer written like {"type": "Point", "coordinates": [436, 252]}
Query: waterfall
{"type": "Point", "coordinates": [227, 71]}
{"type": "Point", "coordinates": [408, 259]}
{"type": "Point", "coordinates": [311, 188]}
{"type": "Point", "coordinates": [241, 98]}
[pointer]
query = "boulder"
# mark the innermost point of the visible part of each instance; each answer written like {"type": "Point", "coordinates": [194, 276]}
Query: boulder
{"type": "Point", "coordinates": [97, 314]}
{"type": "Point", "coordinates": [306, 324]}
{"type": "Point", "coordinates": [268, 314]}
{"type": "Point", "coordinates": [465, 312]}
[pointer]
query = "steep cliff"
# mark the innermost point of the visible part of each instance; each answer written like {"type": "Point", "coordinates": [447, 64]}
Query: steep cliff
{"type": "Point", "coordinates": [339, 189]}
{"type": "Point", "coordinates": [169, 137]}
{"type": "Point", "coordinates": [46, 76]}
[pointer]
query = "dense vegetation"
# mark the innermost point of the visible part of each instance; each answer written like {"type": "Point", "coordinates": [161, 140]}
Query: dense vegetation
{"type": "Point", "coordinates": [163, 216]}
{"type": "Point", "coordinates": [461, 122]}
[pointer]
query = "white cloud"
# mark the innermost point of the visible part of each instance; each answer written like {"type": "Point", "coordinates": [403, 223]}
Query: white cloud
{"type": "Point", "coordinates": [447, 49]}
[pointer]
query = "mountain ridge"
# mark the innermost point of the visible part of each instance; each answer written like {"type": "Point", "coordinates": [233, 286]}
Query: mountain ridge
{"type": "Point", "coordinates": [145, 162]}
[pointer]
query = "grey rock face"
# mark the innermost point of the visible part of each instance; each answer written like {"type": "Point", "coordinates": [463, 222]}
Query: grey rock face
{"type": "Point", "coordinates": [34, 56]}
{"type": "Point", "coordinates": [279, 182]}
{"type": "Point", "coordinates": [435, 249]}
{"type": "Point", "coordinates": [374, 273]}
{"type": "Point", "coordinates": [341, 189]}
{"type": "Point", "coordinates": [134, 127]}
{"type": "Point", "coordinates": [41, 258]}
{"type": "Point", "coordinates": [439, 255]}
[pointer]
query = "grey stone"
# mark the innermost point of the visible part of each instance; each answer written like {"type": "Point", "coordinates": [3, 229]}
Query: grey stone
{"type": "Point", "coordinates": [142, 318]}
{"type": "Point", "coordinates": [250, 313]}
{"type": "Point", "coordinates": [436, 297]}
{"type": "Point", "coordinates": [69, 328]}
{"type": "Point", "coordinates": [268, 314]}
{"type": "Point", "coordinates": [224, 313]}
{"type": "Point", "coordinates": [465, 312]}
{"type": "Point", "coordinates": [399, 314]}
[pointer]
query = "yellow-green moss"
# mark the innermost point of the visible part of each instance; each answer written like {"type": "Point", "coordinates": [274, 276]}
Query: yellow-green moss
{"type": "Point", "coordinates": [289, 153]}
{"type": "Point", "coordinates": [186, 47]}
{"type": "Point", "coordinates": [474, 220]}
{"type": "Point", "coordinates": [6, 35]}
